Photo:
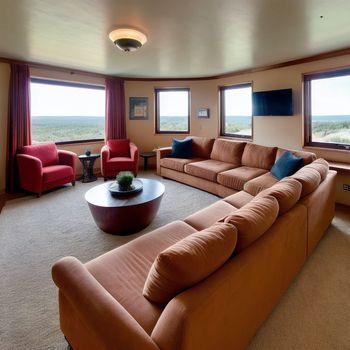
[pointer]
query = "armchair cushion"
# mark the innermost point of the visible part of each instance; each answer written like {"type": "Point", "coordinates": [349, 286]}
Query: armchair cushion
{"type": "Point", "coordinates": [119, 148]}
{"type": "Point", "coordinates": [53, 173]}
{"type": "Point", "coordinates": [47, 153]}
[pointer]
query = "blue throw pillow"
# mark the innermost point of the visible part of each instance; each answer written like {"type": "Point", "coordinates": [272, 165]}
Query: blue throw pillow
{"type": "Point", "coordinates": [181, 148]}
{"type": "Point", "coordinates": [287, 165]}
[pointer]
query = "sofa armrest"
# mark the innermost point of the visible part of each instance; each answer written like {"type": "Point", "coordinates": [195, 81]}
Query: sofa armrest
{"type": "Point", "coordinates": [67, 158]}
{"type": "Point", "coordinates": [162, 153]}
{"type": "Point", "coordinates": [30, 172]}
{"type": "Point", "coordinates": [100, 312]}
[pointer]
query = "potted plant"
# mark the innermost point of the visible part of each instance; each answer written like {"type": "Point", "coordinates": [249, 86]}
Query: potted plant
{"type": "Point", "coordinates": [124, 180]}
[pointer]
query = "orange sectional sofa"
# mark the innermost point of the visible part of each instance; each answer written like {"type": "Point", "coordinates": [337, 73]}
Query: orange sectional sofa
{"type": "Point", "coordinates": [173, 289]}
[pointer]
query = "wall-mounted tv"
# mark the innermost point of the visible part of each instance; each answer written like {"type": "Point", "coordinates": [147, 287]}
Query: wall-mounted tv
{"type": "Point", "coordinates": [275, 103]}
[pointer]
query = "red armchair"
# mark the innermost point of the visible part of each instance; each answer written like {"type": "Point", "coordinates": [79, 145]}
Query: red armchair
{"type": "Point", "coordinates": [119, 155]}
{"type": "Point", "coordinates": [42, 167]}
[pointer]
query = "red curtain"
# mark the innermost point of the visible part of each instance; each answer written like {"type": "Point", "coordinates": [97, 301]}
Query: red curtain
{"type": "Point", "coordinates": [115, 109]}
{"type": "Point", "coordinates": [19, 126]}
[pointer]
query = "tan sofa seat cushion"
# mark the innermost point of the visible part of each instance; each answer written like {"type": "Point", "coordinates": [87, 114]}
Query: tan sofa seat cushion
{"type": "Point", "coordinates": [209, 215]}
{"type": "Point", "coordinates": [287, 192]}
{"type": "Point", "coordinates": [236, 178]}
{"type": "Point", "coordinates": [207, 169]}
{"type": "Point", "coordinates": [257, 156]}
{"type": "Point", "coordinates": [307, 156]}
{"type": "Point", "coordinates": [189, 261]}
{"type": "Point", "coordinates": [253, 220]}
{"type": "Point", "coordinates": [239, 199]}
{"type": "Point", "coordinates": [228, 151]}
{"type": "Point", "coordinates": [321, 166]}
{"type": "Point", "coordinates": [201, 146]}
{"type": "Point", "coordinates": [309, 179]}
{"type": "Point", "coordinates": [123, 271]}
{"type": "Point", "coordinates": [177, 164]}
{"type": "Point", "coordinates": [259, 183]}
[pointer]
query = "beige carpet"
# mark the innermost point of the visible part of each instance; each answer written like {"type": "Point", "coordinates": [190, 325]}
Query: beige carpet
{"type": "Point", "coordinates": [313, 314]}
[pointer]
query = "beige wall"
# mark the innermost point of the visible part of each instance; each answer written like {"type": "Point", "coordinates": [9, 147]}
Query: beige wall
{"type": "Point", "coordinates": [285, 132]}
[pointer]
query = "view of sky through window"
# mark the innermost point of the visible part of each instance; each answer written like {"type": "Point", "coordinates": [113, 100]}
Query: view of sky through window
{"type": "Point", "coordinates": [66, 113]}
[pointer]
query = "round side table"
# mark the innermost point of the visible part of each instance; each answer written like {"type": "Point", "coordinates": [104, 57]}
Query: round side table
{"type": "Point", "coordinates": [88, 167]}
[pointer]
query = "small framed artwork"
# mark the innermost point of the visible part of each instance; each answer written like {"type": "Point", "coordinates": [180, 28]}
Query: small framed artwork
{"type": "Point", "coordinates": [203, 113]}
{"type": "Point", "coordinates": [138, 108]}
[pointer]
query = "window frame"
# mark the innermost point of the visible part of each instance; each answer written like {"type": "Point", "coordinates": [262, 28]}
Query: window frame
{"type": "Point", "coordinates": [222, 90]}
{"type": "Point", "coordinates": [307, 78]}
{"type": "Point", "coordinates": [157, 117]}
{"type": "Point", "coordinates": [70, 84]}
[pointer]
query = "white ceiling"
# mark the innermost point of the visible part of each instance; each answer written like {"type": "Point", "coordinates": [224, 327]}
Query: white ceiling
{"type": "Point", "coordinates": [186, 38]}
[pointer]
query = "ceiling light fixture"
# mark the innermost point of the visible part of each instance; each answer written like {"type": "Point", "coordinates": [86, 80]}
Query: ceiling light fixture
{"type": "Point", "coordinates": [127, 39]}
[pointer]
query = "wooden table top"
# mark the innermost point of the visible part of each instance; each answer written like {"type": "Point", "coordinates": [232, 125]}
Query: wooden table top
{"type": "Point", "coordinates": [100, 195]}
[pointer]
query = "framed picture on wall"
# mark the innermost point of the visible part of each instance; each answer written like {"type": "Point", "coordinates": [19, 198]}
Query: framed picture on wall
{"type": "Point", "coordinates": [203, 113]}
{"type": "Point", "coordinates": [138, 108]}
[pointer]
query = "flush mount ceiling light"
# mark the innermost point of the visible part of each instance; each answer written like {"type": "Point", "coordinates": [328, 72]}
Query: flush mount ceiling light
{"type": "Point", "coordinates": [127, 39]}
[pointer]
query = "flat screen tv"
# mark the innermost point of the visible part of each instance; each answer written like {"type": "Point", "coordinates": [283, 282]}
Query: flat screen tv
{"type": "Point", "coordinates": [275, 103]}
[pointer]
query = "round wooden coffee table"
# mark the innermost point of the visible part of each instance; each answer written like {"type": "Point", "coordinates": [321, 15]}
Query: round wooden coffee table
{"type": "Point", "coordinates": [121, 215]}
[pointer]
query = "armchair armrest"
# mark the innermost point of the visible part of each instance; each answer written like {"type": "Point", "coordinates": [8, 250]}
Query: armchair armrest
{"type": "Point", "coordinates": [107, 319]}
{"type": "Point", "coordinates": [30, 172]}
{"type": "Point", "coordinates": [162, 153]}
{"type": "Point", "coordinates": [134, 154]}
{"type": "Point", "coordinates": [67, 158]}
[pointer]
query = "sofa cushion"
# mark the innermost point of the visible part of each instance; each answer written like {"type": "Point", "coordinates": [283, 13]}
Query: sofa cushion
{"type": "Point", "coordinates": [189, 261]}
{"type": "Point", "coordinates": [177, 164]}
{"type": "Point", "coordinates": [47, 153]}
{"type": "Point", "coordinates": [286, 165]}
{"type": "Point", "coordinates": [253, 220]}
{"type": "Point", "coordinates": [207, 169]}
{"type": "Point", "coordinates": [123, 271]}
{"type": "Point", "coordinates": [201, 146]}
{"type": "Point", "coordinates": [53, 173]}
{"type": "Point", "coordinates": [321, 166]}
{"type": "Point", "coordinates": [259, 183]}
{"type": "Point", "coordinates": [257, 156]}
{"type": "Point", "coordinates": [287, 192]}
{"type": "Point", "coordinates": [236, 178]}
{"type": "Point", "coordinates": [228, 151]}
{"type": "Point", "coordinates": [119, 148]}
{"type": "Point", "coordinates": [239, 199]}
{"type": "Point", "coordinates": [209, 215]}
{"type": "Point", "coordinates": [307, 156]}
{"type": "Point", "coordinates": [309, 179]}
{"type": "Point", "coordinates": [181, 148]}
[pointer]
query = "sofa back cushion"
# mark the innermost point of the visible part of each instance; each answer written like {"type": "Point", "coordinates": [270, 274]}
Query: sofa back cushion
{"type": "Point", "coordinates": [47, 153]}
{"type": "Point", "coordinates": [309, 179]}
{"type": "Point", "coordinates": [201, 146]}
{"type": "Point", "coordinates": [257, 156]}
{"type": "Point", "coordinates": [287, 192]}
{"type": "Point", "coordinates": [307, 156]}
{"type": "Point", "coordinates": [228, 151]}
{"type": "Point", "coordinates": [254, 219]}
{"type": "Point", "coordinates": [321, 166]}
{"type": "Point", "coordinates": [189, 261]}
{"type": "Point", "coordinates": [119, 148]}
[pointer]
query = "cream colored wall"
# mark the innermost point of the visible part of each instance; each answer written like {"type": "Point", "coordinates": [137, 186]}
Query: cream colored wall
{"type": "Point", "coordinates": [4, 88]}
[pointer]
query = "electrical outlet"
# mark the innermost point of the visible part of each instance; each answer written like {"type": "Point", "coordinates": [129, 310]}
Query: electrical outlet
{"type": "Point", "coordinates": [346, 187]}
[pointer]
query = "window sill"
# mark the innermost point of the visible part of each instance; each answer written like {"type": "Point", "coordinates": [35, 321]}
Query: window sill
{"type": "Point", "coordinates": [338, 166]}
{"type": "Point", "coordinates": [336, 150]}
{"type": "Point", "coordinates": [81, 142]}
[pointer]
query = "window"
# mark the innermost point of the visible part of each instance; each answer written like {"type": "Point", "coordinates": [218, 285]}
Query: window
{"type": "Point", "coordinates": [236, 111]}
{"type": "Point", "coordinates": [66, 112]}
{"type": "Point", "coordinates": [173, 111]}
{"type": "Point", "coordinates": [327, 109]}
